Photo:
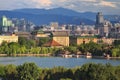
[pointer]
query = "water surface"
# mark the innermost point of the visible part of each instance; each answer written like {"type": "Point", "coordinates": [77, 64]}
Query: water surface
{"type": "Point", "coordinates": [49, 62]}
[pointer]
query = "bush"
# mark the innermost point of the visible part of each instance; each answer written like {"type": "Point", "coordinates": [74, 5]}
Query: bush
{"type": "Point", "coordinates": [28, 71]}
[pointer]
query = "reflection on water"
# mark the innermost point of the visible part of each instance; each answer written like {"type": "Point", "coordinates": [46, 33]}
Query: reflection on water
{"type": "Point", "coordinates": [49, 62]}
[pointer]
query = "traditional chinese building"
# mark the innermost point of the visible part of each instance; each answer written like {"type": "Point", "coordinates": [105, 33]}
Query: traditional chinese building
{"type": "Point", "coordinates": [8, 38]}
{"type": "Point", "coordinates": [52, 43]}
{"type": "Point", "coordinates": [62, 37]}
{"type": "Point", "coordinates": [86, 39]}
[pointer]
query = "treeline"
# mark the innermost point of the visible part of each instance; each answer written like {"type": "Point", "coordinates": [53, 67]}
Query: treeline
{"type": "Point", "coordinates": [14, 48]}
{"type": "Point", "coordinates": [30, 71]}
{"type": "Point", "coordinates": [27, 46]}
{"type": "Point", "coordinates": [96, 49]}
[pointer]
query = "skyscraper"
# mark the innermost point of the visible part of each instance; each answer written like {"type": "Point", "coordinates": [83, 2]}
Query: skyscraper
{"type": "Point", "coordinates": [99, 18]}
{"type": "Point", "coordinates": [102, 25]}
{"type": "Point", "coordinates": [5, 24]}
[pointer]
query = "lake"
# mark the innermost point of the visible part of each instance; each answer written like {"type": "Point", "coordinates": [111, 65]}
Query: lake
{"type": "Point", "coordinates": [49, 62]}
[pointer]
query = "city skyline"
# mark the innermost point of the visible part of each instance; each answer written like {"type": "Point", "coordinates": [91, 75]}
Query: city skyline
{"type": "Point", "coordinates": [105, 6]}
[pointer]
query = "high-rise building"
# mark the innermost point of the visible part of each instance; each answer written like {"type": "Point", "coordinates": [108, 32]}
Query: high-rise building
{"type": "Point", "coordinates": [5, 24]}
{"type": "Point", "coordinates": [99, 18]}
{"type": "Point", "coordinates": [102, 25]}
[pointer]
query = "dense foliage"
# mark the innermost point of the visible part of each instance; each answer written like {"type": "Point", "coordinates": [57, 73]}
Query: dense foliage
{"type": "Point", "coordinates": [27, 46]}
{"type": "Point", "coordinates": [24, 46]}
{"type": "Point", "coordinates": [116, 42]}
{"type": "Point", "coordinates": [116, 51]}
{"type": "Point", "coordinates": [30, 71]}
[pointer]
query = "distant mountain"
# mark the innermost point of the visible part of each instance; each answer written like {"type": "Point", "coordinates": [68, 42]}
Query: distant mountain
{"type": "Point", "coordinates": [113, 18]}
{"type": "Point", "coordinates": [59, 11]}
{"type": "Point", "coordinates": [61, 15]}
{"type": "Point", "coordinates": [41, 19]}
{"type": "Point", "coordinates": [68, 12]}
{"type": "Point", "coordinates": [56, 11]}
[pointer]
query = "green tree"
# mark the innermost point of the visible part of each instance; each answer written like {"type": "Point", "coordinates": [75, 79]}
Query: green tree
{"type": "Point", "coordinates": [11, 72]}
{"type": "Point", "coordinates": [2, 71]}
{"type": "Point", "coordinates": [117, 72]}
{"type": "Point", "coordinates": [115, 52]}
{"type": "Point", "coordinates": [116, 42]}
{"type": "Point", "coordinates": [14, 48]}
{"type": "Point", "coordinates": [71, 49]}
{"type": "Point", "coordinates": [22, 49]}
{"type": "Point", "coordinates": [92, 71]}
{"type": "Point", "coordinates": [94, 48]}
{"type": "Point", "coordinates": [22, 41]}
{"type": "Point", "coordinates": [28, 43]}
{"type": "Point", "coordinates": [43, 40]}
{"type": "Point", "coordinates": [28, 71]}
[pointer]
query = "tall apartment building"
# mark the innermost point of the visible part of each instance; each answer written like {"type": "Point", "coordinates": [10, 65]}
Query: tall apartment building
{"type": "Point", "coordinates": [102, 25]}
{"type": "Point", "coordinates": [99, 18]}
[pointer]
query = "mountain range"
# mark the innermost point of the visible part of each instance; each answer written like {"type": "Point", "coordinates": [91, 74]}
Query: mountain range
{"type": "Point", "coordinates": [61, 15]}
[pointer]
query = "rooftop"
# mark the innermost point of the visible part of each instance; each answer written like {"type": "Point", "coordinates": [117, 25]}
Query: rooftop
{"type": "Point", "coordinates": [52, 43]}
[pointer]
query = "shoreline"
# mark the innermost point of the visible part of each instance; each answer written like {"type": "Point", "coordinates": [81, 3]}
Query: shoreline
{"type": "Point", "coordinates": [102, 57]}
{"type": "Point", "coordinates": [25, 55]}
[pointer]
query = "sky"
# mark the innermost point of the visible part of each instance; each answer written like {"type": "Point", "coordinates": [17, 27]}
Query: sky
{"type": "Point", "coordinates": [105, 6]}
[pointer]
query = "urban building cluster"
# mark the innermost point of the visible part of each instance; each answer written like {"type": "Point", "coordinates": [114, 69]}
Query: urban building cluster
{"type": "Point", "coordinates": [106, 28]}
{"type": "Point", "coordinates": [15, 25]}
{"type": "Point", "coordinates": [62, 35]}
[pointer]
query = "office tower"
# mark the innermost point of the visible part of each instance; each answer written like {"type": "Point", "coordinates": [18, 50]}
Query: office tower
{"type": "Point", "coordinates": [102, 25]}
{"type": "Point", "coordinates": [5, 24]}
{"type": "Point", "coordinates": [99, 18]}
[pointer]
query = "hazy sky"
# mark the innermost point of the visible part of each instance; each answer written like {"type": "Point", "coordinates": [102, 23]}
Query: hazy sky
{"type": "Point", "coordinates": [105, 6]}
